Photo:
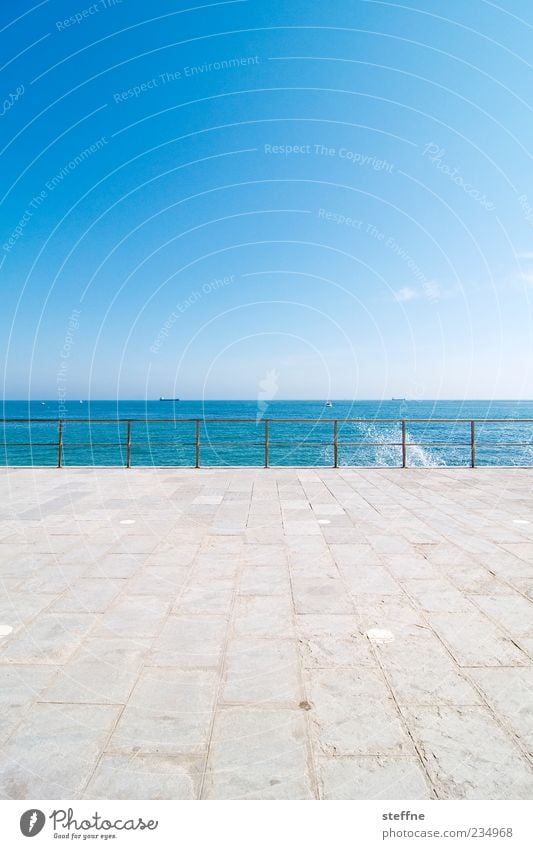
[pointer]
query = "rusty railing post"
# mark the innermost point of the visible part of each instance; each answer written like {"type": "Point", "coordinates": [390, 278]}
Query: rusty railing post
{"type": "Point", "coordinates": [197, 444]}
{"type": "Point", "coordinates": [60, 444]}
{"type": "Point", "coordinates": [128, 447]}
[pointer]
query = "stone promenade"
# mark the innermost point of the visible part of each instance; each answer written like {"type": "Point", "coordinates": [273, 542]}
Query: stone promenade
{"type": "Point", "coordinates": [266, 634]}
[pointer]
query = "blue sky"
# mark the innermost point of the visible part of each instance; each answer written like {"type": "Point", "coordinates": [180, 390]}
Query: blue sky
{"type": "Point", "coordinates": [338, 192]}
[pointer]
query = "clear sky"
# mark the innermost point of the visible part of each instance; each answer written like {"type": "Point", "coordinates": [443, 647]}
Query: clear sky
{"type": "Point", "coordinates": [201, 198]}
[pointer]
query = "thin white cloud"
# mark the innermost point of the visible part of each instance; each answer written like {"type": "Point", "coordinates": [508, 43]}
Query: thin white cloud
{"type": "Point", "coordinates": [430, 290]}
{"type": "Point", "coordinates": [405, 294]}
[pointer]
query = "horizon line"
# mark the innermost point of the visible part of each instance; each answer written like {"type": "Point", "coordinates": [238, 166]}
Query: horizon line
{"type": "Point", "coordinates": [40, 399]}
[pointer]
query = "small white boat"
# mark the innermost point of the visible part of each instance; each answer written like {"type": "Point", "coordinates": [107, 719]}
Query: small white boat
{"type": "Point", "coordinates": [329, 404]}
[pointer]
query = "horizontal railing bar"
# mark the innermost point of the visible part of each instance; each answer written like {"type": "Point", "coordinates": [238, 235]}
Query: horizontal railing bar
{"type": "Point", "coordinates": [340, 444]}
{"type": "Point", "coordinates": [323, 421]}
{"type": "Point", "coordinates": [331, 444]}
{"type": "Point", "coordinates": [120, 444]}
{"type": "Point", "coordinates": [441, 444]}
{"type": "Point", "coordinates": [505, 444]}
{"type": "Point", "coordinates": [311, 437]}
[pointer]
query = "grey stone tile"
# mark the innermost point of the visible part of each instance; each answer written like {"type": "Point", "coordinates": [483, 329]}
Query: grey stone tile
{"type": "Point", "coordinates": [296, 527]}
{"type": "Point", "coordinates": [134, 615]}
{"type": "Point", "coordinates": [265, 555]}
{"type": "Point", "coordinates": [54, 751]}
{"type": "Point", "coordinates": [327, 625]}
{"type": "Point", "coordinates": [318, 595]}
{"type": "Point", "coordinates": [133, 544]}
{"type": "Point", "coordinates": [20, 687]}
{"type": "Point", "coordinates": [264, 534]}
{"type": "Point", "coordinates": [475, 641]}
{"type": "Point", "coordinates": [190, 641]}
{"type": "Point", "coordinates": [117, 565]}
{"type": "Point", "coordinates": [510, 694]}
{"type": "Point", "coordinates": [168, 554]}
{"type": "Point", "coordinates": [513, 612]}
{"type": "Point", "coordinates": [263, 616]}
{"type": "Point", "coordinates": [383, 611]}
{"type": "Point", "coordinates": [50, 639]}
{"type": "Point", "coordinates": [445, 539]}
{"type": "Point", "coordinates": [262, 670]}
{"type": "Point", "coordinates": [319, 565]}
{"type": "Point", "coordinates": [54, 579]}
{"type": "Point", "coordinates": [222, 545]}
{"type": "Point", "coordinates": [330, 641]}
{"type": "Point", "coordinates": [354, 554]}
{"type": "Point", "coordinates": [477, 580]}
{"type": "Point", "coordinates": [437, 594]}
{"type": "Point", "coordinates": [214, 567]}
{"type": "Point", "coordinates": [523, 550]}
{"type": "Point", "coordinates": [211, 597]}
{"type": "Point", "coordinates": [88, 595]}
{"type": "Point", "coordinates": [332, 652]}
{"type": "Point", "coordinates": [523, 585]}
{"type": "Point", "coordinates": [363, 579]}
{"type": "Point", "coordinates": [169, 711]}
{"type": "Point", "coordinates": [352, 713]}
{"type": "Point", "coordinates": [403, 567]}
{"type": "Point", "coordinates": [421, 671]}
{"type": "Point", "coordinates": [468, 755]}
{"type": "Point", "coordinates": [164, 581]}
{"type": "Point", "coordinates": [103, 671]}
{"type": "Point", "coordinates": [19, 608]}
{"type": "Point", "coordinates": [259, 754]}
{"type": "Point", "coordinates": [145, 776]}
{"type": "Point", "coordinates": [372, 778]}
{"type": "Point", "coordinates": [264, 580]}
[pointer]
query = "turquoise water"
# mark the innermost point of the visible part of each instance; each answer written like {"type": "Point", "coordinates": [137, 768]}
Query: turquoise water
{"type": "Point", "coordinates": [172, 443]}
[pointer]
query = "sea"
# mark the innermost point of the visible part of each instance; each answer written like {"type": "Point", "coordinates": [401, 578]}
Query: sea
{"type": "Point", "coordinates": [299, 433]}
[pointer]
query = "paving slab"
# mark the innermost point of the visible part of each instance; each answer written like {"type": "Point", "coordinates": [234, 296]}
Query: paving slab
{"type": "Point", "coordinates": [169, 711]}
{"type": "Point", "coordinates": [262, 670]}
{"type": "Point", "coordinates": [372, 778]}
{"type": "Point", "coordinates": [510, 693]}
{"type": "Point", "coordinates": [468, 755]}
{"type": "Point", "coordinates": [190, 641]}
{"type": "Point", "coordinates": [259, 754]}
{"type": "Point", "coordinates": [353, 713]}
{"type": "Point", "coordinates": [266, 633]}
{"type": "Point", "coordinates": [146, 776]}
{"type": "Point", "coordinates": [54, 750]}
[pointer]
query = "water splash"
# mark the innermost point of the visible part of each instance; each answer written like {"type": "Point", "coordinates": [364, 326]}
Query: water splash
{"type": "Point", "coordinates": [386, 451]}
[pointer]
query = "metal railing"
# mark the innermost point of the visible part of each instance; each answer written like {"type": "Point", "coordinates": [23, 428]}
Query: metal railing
{"type": "Point", "coordinates": [266, 443]}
